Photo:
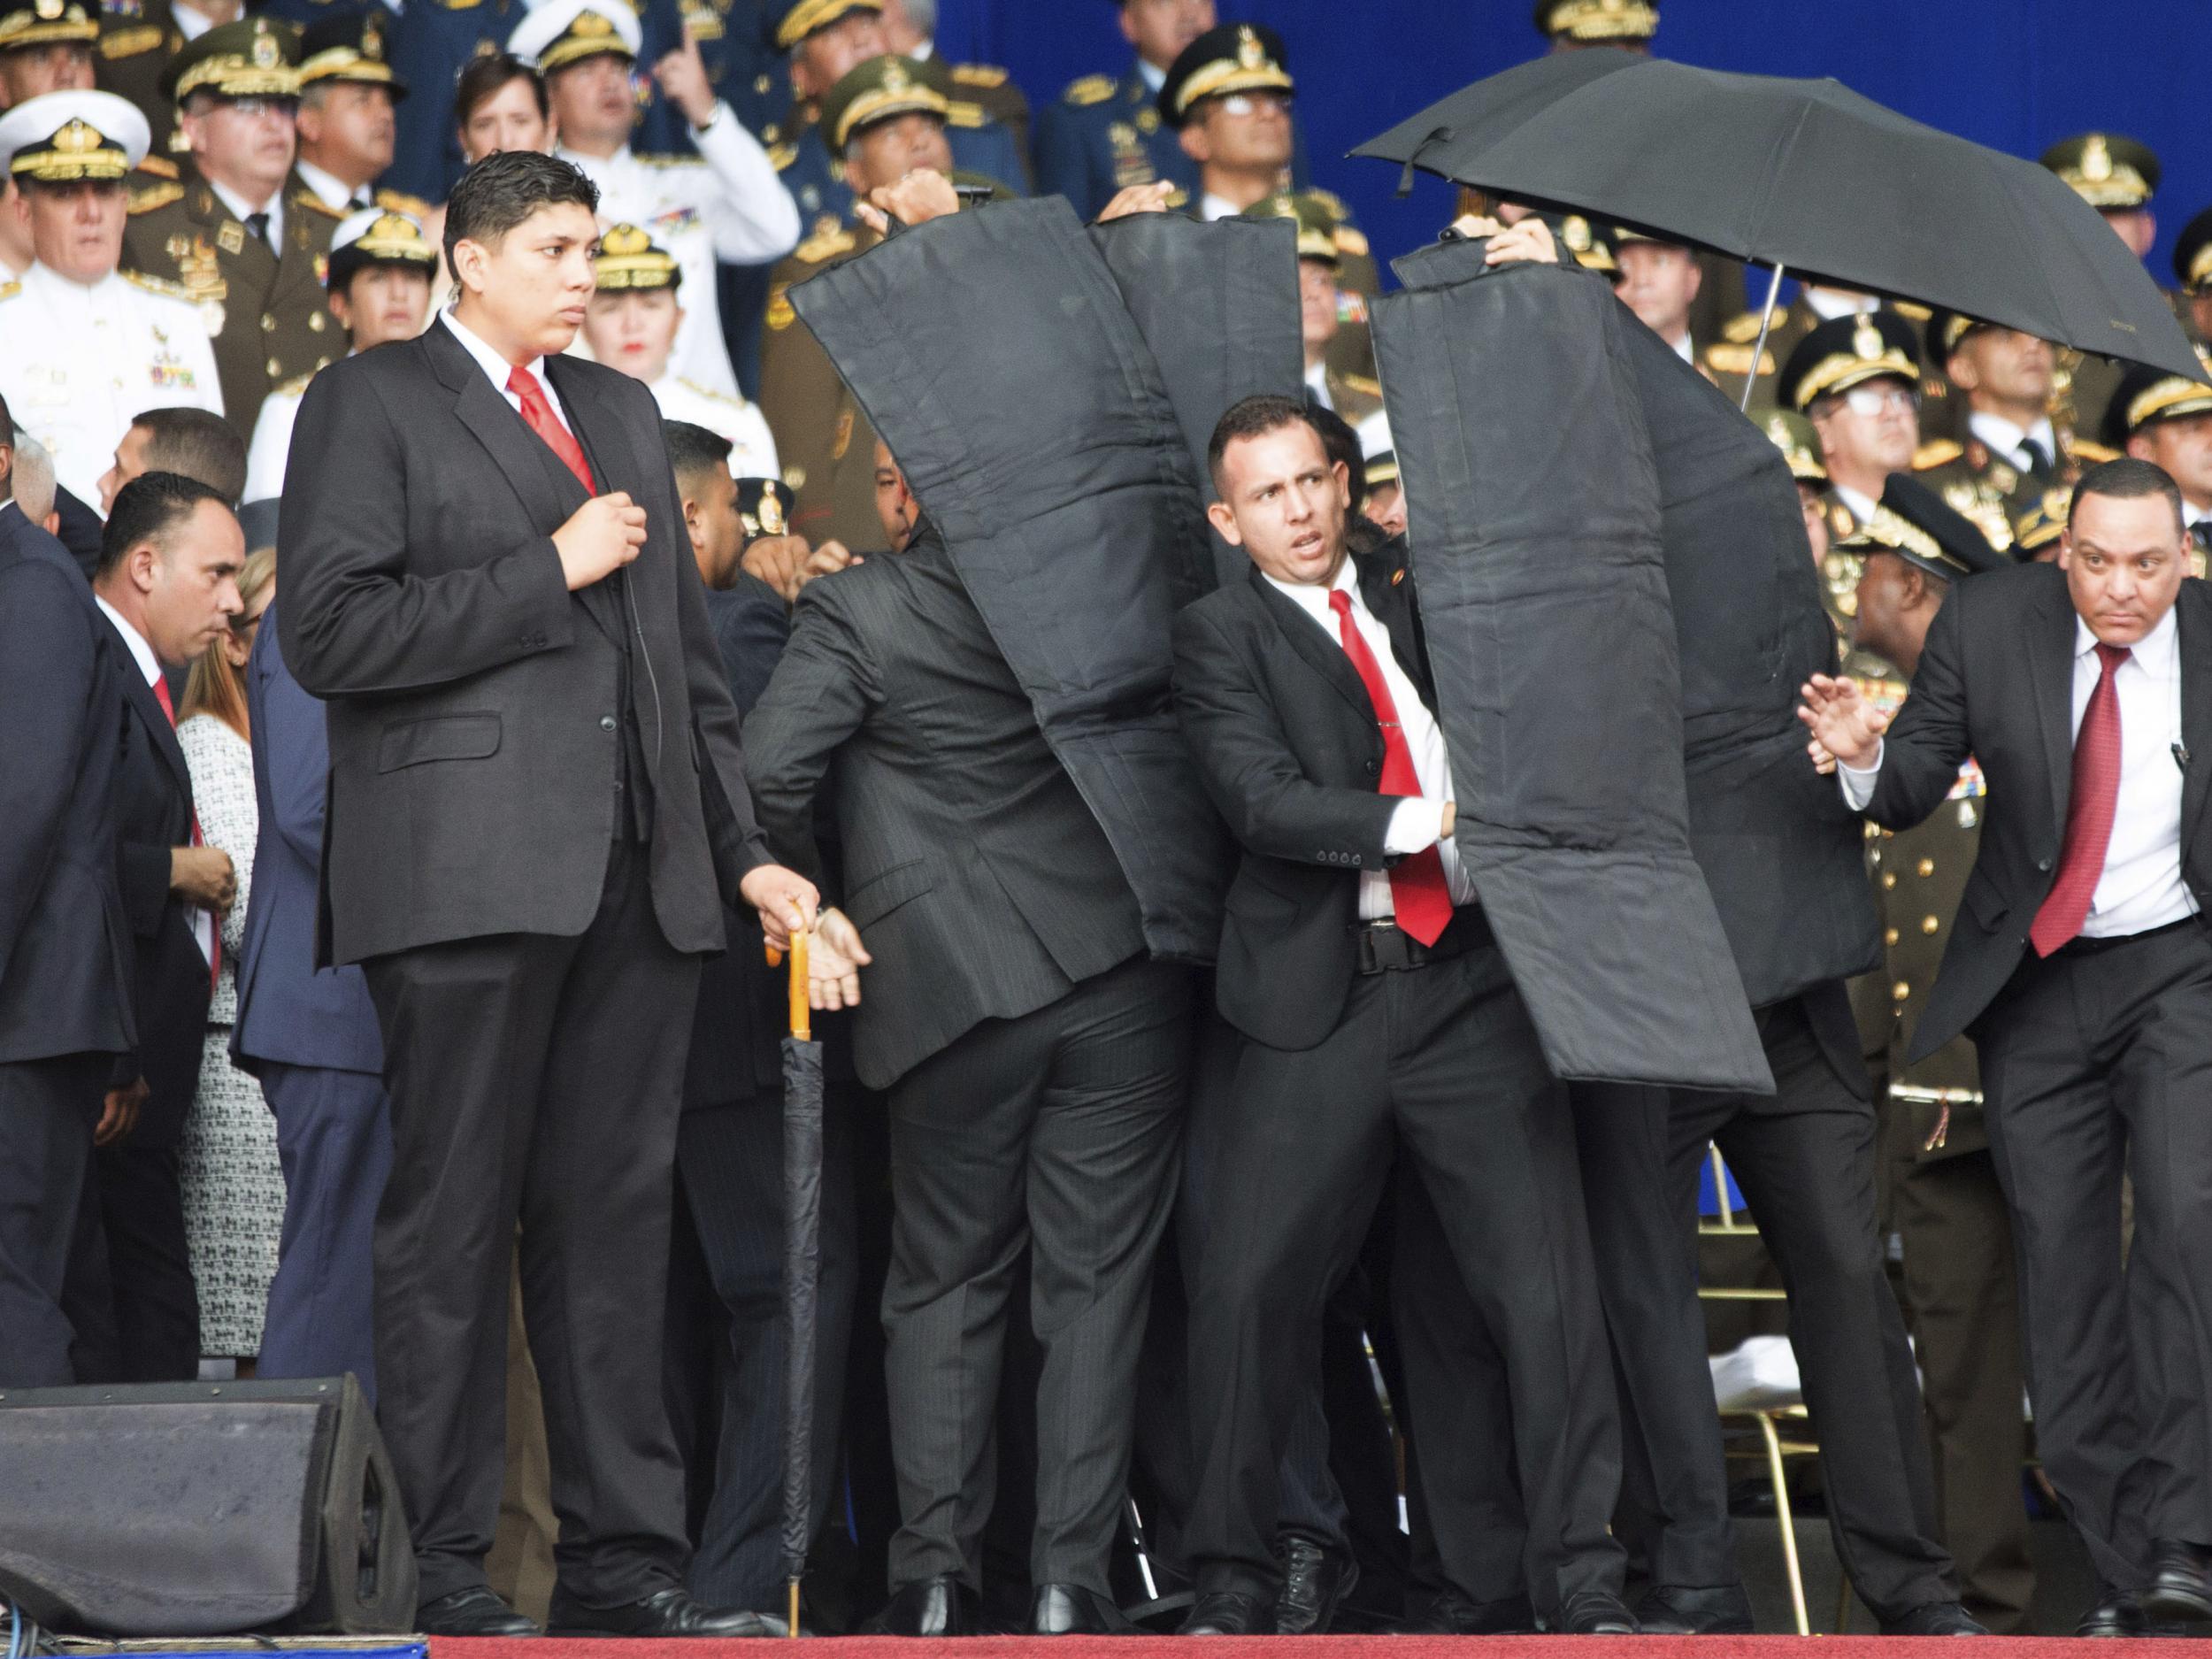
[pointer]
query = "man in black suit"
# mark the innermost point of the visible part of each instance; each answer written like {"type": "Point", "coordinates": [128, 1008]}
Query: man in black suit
{"type": "Point", "coordinates": [168, 581]}
{"type": "Point", "coordinates": [1374, 1009]}
{"type": "Point", "coordinates": [66, 1007]}
{"type": "Point", "coordinates": [2082, 967]}
{"type": "Point", "coordinates": [537, 811]}
{"type": "Point", "coordinates": [729, 1146]}
{"type": "Point", "coordinates": [1034, 1055]}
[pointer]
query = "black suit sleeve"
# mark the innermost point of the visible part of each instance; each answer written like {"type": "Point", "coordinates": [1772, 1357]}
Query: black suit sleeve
{"type": "Point", "coordinates": [1251, 770]}
{"type": "Point", "coordinates": [1929, 740]}
{"type": "Point", "coordinates": [751, 633]}
{"type": "Point", "coordinates": [48, 667]}
{"type": "Point", "coordinates": [358, 622]}
{"type": "Point", "coordinates": [821, 692]}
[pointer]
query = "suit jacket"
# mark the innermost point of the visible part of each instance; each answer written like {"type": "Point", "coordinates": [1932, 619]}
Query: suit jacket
{"type": "Point", "coordinates": [474, 704]}
{"type": "Point", "coordinates": [736, 1032]}
{"type": "Point", "coordinates": [65, 946]}
{"type": "Point", "coordinates": [1287, 740]}
{"type": "Point", "coordinates": [1995, 681]}
{"type": "Point", "coordinates": [977, 876]}
{"type": "Point", "coordinates": [172, 986]}
{"type": "Point", "coordinates": [289, 1010]}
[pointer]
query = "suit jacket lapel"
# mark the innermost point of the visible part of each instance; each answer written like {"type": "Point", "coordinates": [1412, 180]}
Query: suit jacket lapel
{"type": "Point", "coordinates": [608, 456]}
{"type": "Point", "coordinates": [1323, 655]}
{"type": "Point", "coordinates": [1384, 587]}
{"type": "Point", "coordinates": [2051, 672]}
{"type": "Point", "coordinates": [148, 707]}
{"type": "Point", "coordinates": [2194, 653]}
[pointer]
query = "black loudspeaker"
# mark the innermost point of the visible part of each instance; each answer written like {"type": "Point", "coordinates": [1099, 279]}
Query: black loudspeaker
{"type": "Point", "coordinates": [201, 1509]}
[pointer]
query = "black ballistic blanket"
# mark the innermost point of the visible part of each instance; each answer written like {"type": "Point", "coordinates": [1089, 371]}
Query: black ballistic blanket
{"type": "Point", "coordinates": [1535, 515]}
{"type": "Point", "coordinates": [994, 352]}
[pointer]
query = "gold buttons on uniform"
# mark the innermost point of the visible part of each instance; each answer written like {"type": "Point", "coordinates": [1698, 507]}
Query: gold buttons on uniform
{"type": "Point", "coordinates": [276, 369]}
{"type": "Point", "coordinates": [1901, 990]}
{"type": "Point", "coordinates": [268, 322]}
{"type": "Point", "coordinates": [1927, 866]}
{"type": "Point", "coordinates": [1889, 878]}
{"type": "Point", "coordinates": [315, 322]}
{"type": "Point", "coordinates": [1928, 925]}
{"type": "Point", "coordinates": [1891, 936]}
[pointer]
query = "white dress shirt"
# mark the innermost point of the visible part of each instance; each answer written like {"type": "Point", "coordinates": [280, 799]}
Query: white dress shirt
{"type": "Point", "coordinates": [191, 23]}
{"type": "Point", "coordinates": [497, 368]}
{"type": "Point", "coordinates": [1418, 822]}
{"type": "Point", "coordinates": [2003, 437]}
{"type": "Point", "coordinates": [2141, 886]}
{"type": "Point", "coordinates": [337, 195]}
{"type": "Point", "coordinates": [149, 666]}
{"type": "Point", "coordinates": [1318, 383]}
{"type": "Point", "coordinates": [1830, 303]}
{"type": "Point", "coordinates": [1153, 76]}
{"type": "Point", "coordinates": [1862, 506]}
{"type": "Point", "coordinates": [236, 205]}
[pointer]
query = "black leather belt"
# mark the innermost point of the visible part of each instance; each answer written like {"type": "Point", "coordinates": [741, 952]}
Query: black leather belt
{"type": "Point", "coordinates": [2081, 945]}
{"type": "Point", "coordinates": [1386, 947]}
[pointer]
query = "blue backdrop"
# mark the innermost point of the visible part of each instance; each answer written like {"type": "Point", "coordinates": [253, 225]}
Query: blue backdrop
{"type": "Point", "coordinates": [2016, 74]}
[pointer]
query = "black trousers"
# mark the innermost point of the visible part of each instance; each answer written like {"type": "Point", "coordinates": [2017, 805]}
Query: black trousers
{"type": "Point", "coordinates": [131, 1294]}
{"type": "Point", "coordinates": [1057, 1132]}
{"type": "Point", "coordinates": [48, 1109]}
{"type": "Point", "coordinates": [1804, 1158]}
{"type": "Point", "coordinates": [2094, 1061]}
{"type": "Point", "coordinates": [535, 1077]}
{"type": "Point", "coordinates": [1440, 1065]}
{"type": "Point", "coordinates": [730, 1159]}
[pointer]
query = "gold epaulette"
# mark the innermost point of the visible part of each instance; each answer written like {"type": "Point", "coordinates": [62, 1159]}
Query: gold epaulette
{"type": "Point", "coordinates": [1361, 384]}
{"type": "Point", "coordinates": [2095, 454]}
{"type": "Point", "coordinates": [1936, 452]}
{"type": "Point", "coordinates": [1330, 200]}
{"type": "Point", "coordinates": [959, 113]}
{"type": "Point", "coordinates": [1734, 358]}
{"type": "Point", "coordinates": [399, 201]}
{"type": "Point", "coordinates": [781, 313]}
{"type": "Point", "coordinates": [1091, 89]}
{"type": "Point", "coordinates": [156, 285]}
{"type": "Point", "coordinates": [294, 387]}
{"type": "Point", "coordinates": [1741, 329]}
{"type": "Point", "coordinates": [9, 290]}
{"type": "Point", "coordinates": [1913, 309]}
{"type": "Point", "coordinates": [160, 166]}
{"type": "Point", "coordinates": [830, 240]}
{"type": "Point", "coordinates": [155, 195]}
{"type": "Point", "coordinates": [978, 74]}
{"type": "Point", "coordinates": [306, 198]}
{"type": "Point", "coordinates": [781, 155]}
{"type": "Point", "coordinates": [669, 160]}
{"type": "Point", "coordinates": [130, 42]}
{"type": "Point", "coordinates": [1351, 241]}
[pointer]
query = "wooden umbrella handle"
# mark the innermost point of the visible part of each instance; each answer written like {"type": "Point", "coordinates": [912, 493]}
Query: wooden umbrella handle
{"type": "Point", "coordinates": [801, 1007]}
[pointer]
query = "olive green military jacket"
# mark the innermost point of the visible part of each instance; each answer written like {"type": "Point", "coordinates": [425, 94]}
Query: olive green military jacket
{"type": "Point", "coordinates": [825, 443]}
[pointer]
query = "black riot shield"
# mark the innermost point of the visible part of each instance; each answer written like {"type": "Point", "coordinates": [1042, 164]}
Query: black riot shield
{"type": "Point", "coordinates": [1535, 514]}
{"type": "Point", "coordinates": [995, 353]}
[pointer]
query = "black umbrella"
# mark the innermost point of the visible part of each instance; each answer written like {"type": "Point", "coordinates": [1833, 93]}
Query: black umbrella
{"type": "Point", "coordinates": [802, 1269]}
{"type": "Point", "coordinates": [1810, 178]}
{"type": "Point", "coordinates": [1452, 131]}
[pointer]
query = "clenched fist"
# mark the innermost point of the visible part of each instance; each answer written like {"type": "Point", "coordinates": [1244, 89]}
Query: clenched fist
{"type": "Point", "coordinates": [599, 539]}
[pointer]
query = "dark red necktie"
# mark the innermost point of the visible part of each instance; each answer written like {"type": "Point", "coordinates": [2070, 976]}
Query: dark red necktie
{"type": "Point", "coordinates": [1418, 891]}
{"type": "Point", "coordinates": [214, 929]}
{"type": "Point", "coordinates": [539, 413]}
{"type": "Point", "coordinates": [2089, 812]}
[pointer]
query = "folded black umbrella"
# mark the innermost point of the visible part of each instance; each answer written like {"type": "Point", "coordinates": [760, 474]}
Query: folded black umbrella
{"type": "Point", "coordinates": [1812, 179]}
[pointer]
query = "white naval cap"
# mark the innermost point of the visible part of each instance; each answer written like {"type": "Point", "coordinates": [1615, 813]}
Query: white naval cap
{"type": "Point", "coordinates": [61, 137]}
{"type": "Point", "coordinates": [558, 33]}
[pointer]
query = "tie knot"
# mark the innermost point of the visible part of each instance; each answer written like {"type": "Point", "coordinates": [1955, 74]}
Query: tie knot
{"type": "Point", "coordinates": [1340, 602]}
{"type": "Point", "coordinates": [522, 383]}
{"type": "Point", "coordinates": [2112, 656]}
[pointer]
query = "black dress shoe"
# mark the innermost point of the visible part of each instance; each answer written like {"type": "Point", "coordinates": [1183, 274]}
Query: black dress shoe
{"type": "Point", "coordinates": [1068, 1609]}
{"type": "Point", "coordinates": [475, 1611]}
{"type": "Point", "coordinates": [940, 1606]}
{"type": "Point", "coordinates": [1229, 1613]}
{"type": "Point", "coordinates": [1934, 1618]}
{"type": "Point", "coordinates": [2180, 1587]}
{"type": "Point", "coordinates": [2117, 1613]}
{"type": "Point", "coordinates": [666, 1613]}
{"type": "Point", "coordinates": [1686, 1609]}
{"type": "Point", "coordinates": [1594, 1613]}
{"type": "Point", "coordinates": [1452, 1614]}
{"type": "Point", "coordinates": [1315, 1580]}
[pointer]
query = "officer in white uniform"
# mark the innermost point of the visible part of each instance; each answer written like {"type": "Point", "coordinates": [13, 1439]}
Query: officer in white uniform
{"type": "Point", "coordinates": [82, 349]}
{"type": "Point", "coordinates": [633, 322]}
{"type": "Point", "coordinates": [725, 202]}
{"type": "Point", "coordinates": [392, 302]}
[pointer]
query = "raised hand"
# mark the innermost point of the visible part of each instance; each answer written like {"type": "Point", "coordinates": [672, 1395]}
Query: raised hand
{"type": "Point", "coordinates": [1845, 728]}
{"type": "Point", "coordinates": [834, 961]}
{"type": "Point", "coordinates": [599, 539]}
{"type": "Point", "coordinates": [785, 899]}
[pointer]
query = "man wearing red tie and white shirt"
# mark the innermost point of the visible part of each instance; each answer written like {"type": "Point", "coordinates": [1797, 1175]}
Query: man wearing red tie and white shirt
{"type": "Point", "coordinates": [2082, 967]}
{"type": "Point", "coordinates": [1374, 1012]}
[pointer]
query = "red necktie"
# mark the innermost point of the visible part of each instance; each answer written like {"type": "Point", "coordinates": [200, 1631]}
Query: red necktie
{"type": "Point", "coordinates": [539, 413]}
{"type": "Point", "coordinates": [214, 934]}
{"type": "Point", "coordinates": [2089, 812]}
{"type": "Point", "coordinates": [1419, 892]}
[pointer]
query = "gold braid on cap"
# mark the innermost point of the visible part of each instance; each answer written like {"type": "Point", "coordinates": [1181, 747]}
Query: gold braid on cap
{"type": "Point", "coordinates": [1889, 529]}
{"type": "Point", "coordinates": [1604, 20]}
{"type": "Point", "coordinates": [589, 34]}
{"type": "Point", "coordinates": [2103, 182]}
{"type": "Point", "coordinates": [259, 73]}
{"type": "Point", "coordinates": [628, 261]}
{"type": "Point", "coordinates": [392, 236]}
{"type": "Point", "coordinates": [1251, 70]}
{"type": "Point", "coordinates": [809, 15]}
{"type": "Point", "coordinates": [48, 23]}
{"type": "Point", "coordinates": [2165, 399]}
{"type": "Point", "coordinates": [76, 151]}
{"type": "Point", "coordinates": [897, 94]}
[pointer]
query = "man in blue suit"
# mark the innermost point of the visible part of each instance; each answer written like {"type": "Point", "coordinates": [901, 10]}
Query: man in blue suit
{"type": "Point", "coordinates": [1104, 133]}
{"type": "Point", "coordinates": [310, 1036]}
{"type": "Point", "coordinates": [65, 1011]}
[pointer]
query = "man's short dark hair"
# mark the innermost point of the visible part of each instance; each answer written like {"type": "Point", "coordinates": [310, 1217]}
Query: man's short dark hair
{"type": "Point", "coordinates": [149, 509]}
{"type": "Point", "coordinates": [502, 190]}
{"type": "Point", "coordinates": [198, 445]}
{"type": "Point", "coordinates": [2128, 479]}
{"type": "Point", "coordinates": [1256, 417]}
{"type": "Point", "coordinates": [1342, 444]}
{"type": "Point", "coordinates": [486, 77]}
{"type": "Point", "coordinates": [693, 451]}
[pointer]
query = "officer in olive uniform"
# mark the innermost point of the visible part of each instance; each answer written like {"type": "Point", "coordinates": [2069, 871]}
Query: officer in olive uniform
{"type": "Point", "coordinates": [2193, 269]}
{"type": "Point", "coordinates": [264, 305]}
{"type": "Point", "coordinates": [137, 40]}
{"type": "Point", "coordinates": [1320, 261]}
{"type": "Point", "coordinates": [1999, 469]}
{"type": "Point", "coordinates": [347, 48]}
{"type": "Point", "coordinates": [2167, 420]}
{"type": "Point", "coordinates": [1959, 1293]}
{"type": "Point", "coordinates": [45, 46]}
{"type": "Point", "coordinates": [1800, 444]}
{"type": "Point", "coordinates": [2118, 177]}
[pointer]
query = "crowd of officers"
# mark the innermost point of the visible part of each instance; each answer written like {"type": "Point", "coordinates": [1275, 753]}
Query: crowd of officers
{"type": "Point", "coordinates": [206, 206]}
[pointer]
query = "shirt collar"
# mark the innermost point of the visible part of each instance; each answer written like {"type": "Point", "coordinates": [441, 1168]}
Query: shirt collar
{"type": "Point", "coordinates": [1318, 383]}
{"type": "Point", "coordinates": [191, 23]}
{"type": "Point", "coordinates": [2002, 434]}
{"type": "Point", "coordinates": [1153, 77]}
{"type": "Point", "coordinates": [240, 212]}
{"type": "Point", "coordinates": [493, 362]}
{"type": "Point", "coordinates": [1314, 599]}
{"type": "Point", "coordinates": [149, 665]}
{"type": "Point", "coordinates": [923, 51]}
{"type": "Point", "coordinates": [2156, 653]}
{"type": "Point", "coordinates": [1862, 506]}
{"type": "Point", "coordinates": [330, 187]}
{"type": "Point", "coordinates": [1828, 304]}
{"type": "Point", "coordinates": [1685, 350]}
{"type": "Point", "coordinates": [1212, 207]}
{"type": "Point", "coordinates": [44, 276]}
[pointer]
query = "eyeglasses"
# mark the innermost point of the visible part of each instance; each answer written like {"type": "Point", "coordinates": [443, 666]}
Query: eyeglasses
{"type": "Point", "coordinates": [1242, 104]}
{"type": "Point", "coordinates": [1880, 400]}
{"type": "Point", "coordinates": [256, 109]}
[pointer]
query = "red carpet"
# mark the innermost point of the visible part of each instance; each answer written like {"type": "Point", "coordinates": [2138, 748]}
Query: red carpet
{"type": "Point", "coordinates": [1327, 1647]}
